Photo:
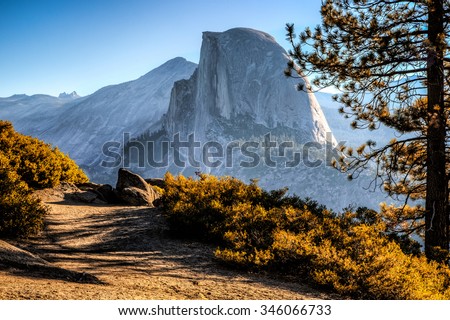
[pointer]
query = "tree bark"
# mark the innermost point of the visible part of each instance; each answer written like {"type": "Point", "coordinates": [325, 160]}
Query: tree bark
{"type": "Point", "coordinates": [436, 218]}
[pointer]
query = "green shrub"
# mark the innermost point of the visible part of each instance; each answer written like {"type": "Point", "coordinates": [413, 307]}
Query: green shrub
{"type": "Point", "coordinates": [349, 252]}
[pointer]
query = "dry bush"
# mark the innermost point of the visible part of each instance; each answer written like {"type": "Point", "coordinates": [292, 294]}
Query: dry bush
{"type": "Point", "coordinates": [349, 252]}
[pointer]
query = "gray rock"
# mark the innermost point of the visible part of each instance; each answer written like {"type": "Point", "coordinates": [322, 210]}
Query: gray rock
{"type": "Point", "coordinates": [88, 186]}
{"type": "Point", "coordinates": [135, 197]}
{"type": "Point", "coordinates": [106, 193]}
{"type": "Point", "coordinates": [86, 196]}
{"type": "Point", "coordinates": [128, 179]}
{"type": "Point", "coordinates": [132, 189]}
{"type": "Point", "coordinates": [156, 182]}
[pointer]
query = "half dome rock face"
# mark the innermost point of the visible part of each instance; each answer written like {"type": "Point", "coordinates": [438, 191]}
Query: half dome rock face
{"type": "Point", "coordinates": [240, 75]}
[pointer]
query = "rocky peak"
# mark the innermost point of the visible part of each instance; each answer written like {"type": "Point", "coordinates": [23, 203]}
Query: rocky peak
{"type": "Point", "coordinates": [72, 95]}
{"type": "Point", "coordinates": [240, 72]}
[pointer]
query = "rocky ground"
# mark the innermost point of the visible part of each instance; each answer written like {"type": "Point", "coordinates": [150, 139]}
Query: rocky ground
{"type": "Point", "coordinates": [104, 251]}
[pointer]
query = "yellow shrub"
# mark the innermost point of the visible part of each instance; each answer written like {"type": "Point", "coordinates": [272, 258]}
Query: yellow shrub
{"type": "Point", "coordinates": [349, 253]}
{"type": "Point", "coordinates": [20, 213]}
{"type": "Point", "coordinates": [25, 164]}
{"type": "Point", "coordinates": [37, 163]}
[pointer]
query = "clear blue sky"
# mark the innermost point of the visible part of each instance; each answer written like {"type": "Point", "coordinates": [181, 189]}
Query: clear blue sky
{"type": "Point", "coordinates": [49, 46]}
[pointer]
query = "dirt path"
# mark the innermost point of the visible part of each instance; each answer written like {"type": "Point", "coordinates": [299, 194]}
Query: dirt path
{"type": "Point", "coordinates": [126, 253]}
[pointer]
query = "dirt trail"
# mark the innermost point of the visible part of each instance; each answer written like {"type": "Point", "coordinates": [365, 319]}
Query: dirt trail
{"type": "Point", "coordinates": [118, 252]}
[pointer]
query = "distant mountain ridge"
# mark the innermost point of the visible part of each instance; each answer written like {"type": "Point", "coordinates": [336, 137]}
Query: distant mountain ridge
{"type": "Point", "coordinates": [81, 125]}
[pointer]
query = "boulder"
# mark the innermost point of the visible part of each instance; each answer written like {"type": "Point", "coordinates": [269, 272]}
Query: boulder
{"type": "Point", "coordinates": [127, 179]}
{"type": "Point", "coordinates": [135, 197]}
{"type": "Point", "coordinates": [134, 190]}
{"type": "Point", "coordinates": [88, 186]}
{"type": "Point", "coordinates": [85, 193]}
{"type": "Point", "coordinates": [106, 193]}
{"type": "Point", "coordinates": [86, 197]}
{"type": "Point", "coordinates": [156, 182]}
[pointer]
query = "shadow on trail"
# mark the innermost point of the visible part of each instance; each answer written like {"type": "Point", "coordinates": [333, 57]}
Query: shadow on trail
{"type": "Point", "coordinates": [137, 240]}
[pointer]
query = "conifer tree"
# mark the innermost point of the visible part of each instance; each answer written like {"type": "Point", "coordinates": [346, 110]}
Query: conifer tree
{"type": "Point", "coordinates": [390, 59]}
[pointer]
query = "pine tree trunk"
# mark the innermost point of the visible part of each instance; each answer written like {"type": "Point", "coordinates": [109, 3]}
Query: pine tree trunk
{"type": "Point", "coordinates": [436, 218]}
